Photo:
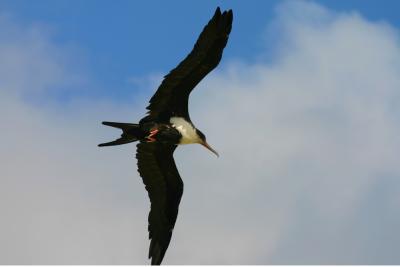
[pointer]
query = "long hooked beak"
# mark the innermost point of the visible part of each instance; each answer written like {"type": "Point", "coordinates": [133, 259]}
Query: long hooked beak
{"type": "Point", "coordinates": [206, 145]}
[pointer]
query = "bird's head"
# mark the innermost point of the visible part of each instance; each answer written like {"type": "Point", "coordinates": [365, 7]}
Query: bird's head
{"type": "Point", "coordinates": [202, 141]}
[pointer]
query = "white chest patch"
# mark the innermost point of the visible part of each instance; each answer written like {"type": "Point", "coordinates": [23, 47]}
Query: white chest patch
{"type": "Point", "coordinates": [186, 129]}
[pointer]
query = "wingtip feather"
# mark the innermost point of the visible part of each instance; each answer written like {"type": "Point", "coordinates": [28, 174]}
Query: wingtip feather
{"type": "Point", "coordinates": [155, 253]}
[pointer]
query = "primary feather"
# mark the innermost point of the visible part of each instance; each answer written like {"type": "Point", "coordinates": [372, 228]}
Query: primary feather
{"type": "Point", "coordinates": [171, 98]}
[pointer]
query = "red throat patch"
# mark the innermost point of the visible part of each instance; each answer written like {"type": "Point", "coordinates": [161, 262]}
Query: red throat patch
{"type": "Point", "coordinates": [150, 138]}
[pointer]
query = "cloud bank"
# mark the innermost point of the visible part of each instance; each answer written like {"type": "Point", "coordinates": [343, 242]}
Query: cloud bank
{"type": "Point", "coordinates": [309, 143]}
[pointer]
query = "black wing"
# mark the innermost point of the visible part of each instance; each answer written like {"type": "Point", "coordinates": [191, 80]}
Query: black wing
{"type": "Point", "coordinates": [172, 96]}
{"type": "Point", "coordinates": [157, 167]}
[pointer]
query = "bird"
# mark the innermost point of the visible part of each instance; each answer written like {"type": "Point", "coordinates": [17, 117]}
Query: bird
{"type": "Point", "coordinates": [167, 125]}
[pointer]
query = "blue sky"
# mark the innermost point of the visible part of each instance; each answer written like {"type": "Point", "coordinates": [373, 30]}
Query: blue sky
{"type": "Point", "coordinates": [126, 38]}
{"type": "Point", "coordinates": [313, 86]}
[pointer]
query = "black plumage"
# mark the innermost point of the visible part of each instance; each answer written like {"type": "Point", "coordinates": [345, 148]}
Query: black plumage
{"type": "Point", "coordinates": [165, 187]}
{"type": "Point", "coordinates": [167, 125]}
{"type": "Point", "coordinates": [171, 98]}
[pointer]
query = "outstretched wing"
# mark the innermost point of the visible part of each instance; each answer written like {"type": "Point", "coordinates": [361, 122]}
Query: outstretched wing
{"type": "Point", "coordinates": [157, 167]}
{"type": "Point", "coordinates": [172, 96]}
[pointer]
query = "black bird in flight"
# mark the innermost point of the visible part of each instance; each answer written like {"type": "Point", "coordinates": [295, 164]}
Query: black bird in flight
{"type": "Point", "coordinates": [167, 125]}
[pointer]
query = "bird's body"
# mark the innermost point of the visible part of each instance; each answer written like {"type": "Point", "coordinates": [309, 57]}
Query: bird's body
{"type": "Point", "coordinates": [168, 125]}
{"type": "Point", "coordinates": [177, 131]}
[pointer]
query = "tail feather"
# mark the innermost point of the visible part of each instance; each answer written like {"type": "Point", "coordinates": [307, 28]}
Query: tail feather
{"type": "Point", "coordinates": [119, 141]}
{"type": "Point", "coordinates": [130, 133]}
{"type": "Point", "coordinates": [120, 125]}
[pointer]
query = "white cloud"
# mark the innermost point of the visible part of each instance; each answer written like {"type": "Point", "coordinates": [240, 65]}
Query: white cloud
{"type": "Point", "coordinates": [30, 62]}
{"type": "Point", "coordinates": [308, 171]}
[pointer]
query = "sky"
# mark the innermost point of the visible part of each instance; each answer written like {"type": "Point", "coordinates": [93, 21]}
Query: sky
{"type": "Point", "coordinates": [303, 110]}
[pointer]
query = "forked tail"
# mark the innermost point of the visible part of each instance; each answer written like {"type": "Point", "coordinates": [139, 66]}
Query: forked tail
{"type": "Point", "coordinates": [130, 133]}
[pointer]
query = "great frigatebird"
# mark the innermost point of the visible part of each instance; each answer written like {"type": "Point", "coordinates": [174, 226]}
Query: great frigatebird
{"type": "Point", "coordinates": [167, 125]}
